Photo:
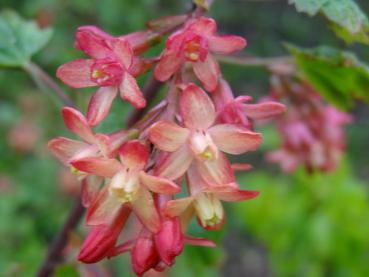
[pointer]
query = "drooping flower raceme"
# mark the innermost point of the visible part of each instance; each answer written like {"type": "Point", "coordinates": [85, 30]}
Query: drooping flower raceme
{"type": "Point", "coordinates": [131, 178]}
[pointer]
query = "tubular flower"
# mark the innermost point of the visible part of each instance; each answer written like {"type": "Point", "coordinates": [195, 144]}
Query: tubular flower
{"type": "Point", "coordinates": [110, 67]}
{"type": "Point", "coordinates": [199, 139]}
{"type": "Point", "coordinates": [312, 131]}
{"type": "Point", "coordinates": [129, 184]}
{"type": "Point", "coordinates": [194, 44]}
{"type": "Point", "coordinates": [205, 200]}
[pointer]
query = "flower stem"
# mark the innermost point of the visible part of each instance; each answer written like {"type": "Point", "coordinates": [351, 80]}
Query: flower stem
{"type": "Point", "coordinates": [255, 61]}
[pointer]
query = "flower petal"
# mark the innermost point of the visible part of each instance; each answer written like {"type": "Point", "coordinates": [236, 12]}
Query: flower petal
{"type": "Point", "coordinates": [100, 104]}
{"type": "Point", "coordinates": [264, 110]}
{"type": "Point", "coordinates": [64, 149]}
{"type": "Point", "coordinates": [76, 122]}
{"type": "Point", "coordinates": [208, 72]}
{"type": "Point", "coordinates": [168, 136]}
{"type": "Point", "coordinates": [204, 25]}
{"type": "Point", "coordinates": [98, 166]}
{"type": "Point", "coordinates": [103, 209]}
{"type": "Point", "coordinates": [241, 166]}
{"type": "Point", "coordinates": [158, 185]}
{"type": "Point", "coordinates": [123, 51]}
{"type": "Point", "coordinates": [92, 41]}
{"type": "Point", "coordinates": [233, 139]}
{"type": "Point", "coordinates": [90, 189]}
{"type": "Point", "coordinates": [199, 242]}
{"type": "Point", "coordinates": [231, 193]}
{"type": "Point", "coordinates": [176, 207]}
{"type": "Point", "coordinates": [169, 63]}
{"type": "Point", "coordinates": [216, 172]}
{"type": "Point", "coordinates": [145, 210]}
{"type": "Point", "coordinates": [175, 164]}
{"type": "Point", "coordinates": [196, 108]}
{"type": "Point", "coordinates": [76, 73]}
{"type": "Point", "coordinates": [134, 155]}
{"type": "Point", "coordinates": [226, 44]}
{"type": "Point", "coordinates": [130, 91]}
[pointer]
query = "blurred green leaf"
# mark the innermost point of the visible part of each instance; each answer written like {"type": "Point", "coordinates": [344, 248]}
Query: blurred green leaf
{"type": "Point", "coordinates": [67, 270]}
{"type": "Point", "coordinates": [337, 75]}
{"type": "Point", "coordinates": [19, 39]}
{"type": "Point", "coordinates": [347, 19]}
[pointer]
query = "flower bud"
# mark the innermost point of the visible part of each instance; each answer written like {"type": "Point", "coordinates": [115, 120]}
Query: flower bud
{"type": "Point", "coordinates": [209, 210]}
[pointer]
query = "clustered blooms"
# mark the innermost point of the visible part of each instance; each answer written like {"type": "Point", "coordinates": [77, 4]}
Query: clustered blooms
{"type": "Point", "coordinates": [132, 177]}
{"type": "Point", "coordinates": [312, 131]}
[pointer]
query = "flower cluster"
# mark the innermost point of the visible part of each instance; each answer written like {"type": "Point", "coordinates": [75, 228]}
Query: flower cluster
{"type": "Point", "coordinates": [132, 177]}
{"type": "Point", "coordinates": [312, 131]}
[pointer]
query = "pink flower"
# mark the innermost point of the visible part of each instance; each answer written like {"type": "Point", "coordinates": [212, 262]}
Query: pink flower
{"type": "Point", "coordinates": [205, 200]}
{"type": "Point", "coordinates": [129, 184]}
{"type": "Point", "coordinates": [199, 139]}
{"type": "Point", "coordinates": [110, 67]}
{"type": "Point", "coordinates": [101, 239]}
{"type": "Point", "coordinates": [195, 43]}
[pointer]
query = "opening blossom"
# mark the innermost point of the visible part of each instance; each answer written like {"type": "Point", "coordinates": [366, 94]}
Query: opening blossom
{"type": "Point", "coordinates": [131, 178]}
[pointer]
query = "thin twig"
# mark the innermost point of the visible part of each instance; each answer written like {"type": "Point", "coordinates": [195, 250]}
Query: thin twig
{"type": "Point", "coordinates": [38, 74]}
{"type": "Point", "coordinates": [255, 61]}
{"type": "Point", "coordinates": [54, 255]}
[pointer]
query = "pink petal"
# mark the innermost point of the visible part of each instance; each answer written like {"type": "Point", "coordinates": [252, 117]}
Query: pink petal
{"type": "Point", "coordinates": [176, 207]}
{"type": "Point", "coordinates": [158, 185]}
{"type": "Point", "coordinates": [123, 51]}
{"type": "Point", "coordinates": [196, 108]}
{"type": "Point", "coordinates": [64, 149]}
{"type": "Point", "coordinates": [226, 44]}
{"type": "Point", "coordinates": [208, 72]}
{"type": "Point", "coordinates": [92, 41]}
{"type": "Point", "coordinates": [168, 136]}
{"type": "Point", "coordinates": [264, 110]}
{"type": "Point", "coordinates": [204, 25]}
{"type": "Point", "coordinates": [103, 209]}
{"type": "Point", "coordinates": [233, 139]}
{"type": "Point", "coordinates": [241, 167]}
{"type": "Point", "coordinates": [130, 91]}
{"type": "Point", "coordinates": [134, 155]}
{"type": "Point", "coordinates": [100, 104]}
{"type": "Point", "coordinates": [76, 122]}
{"type": "Point", "coordinates": [145, 210]}
{"type": "Point", "coordinates": [98, 166]}
{"type": "Point", "coordinates": [199, 242]}
{"type": "Point", "coordinates": [232, 193]}
{"type": "Point", "coordinates": [169, 63]}
{"type": "Point", "coordinates": [76, 74]}
{"type": "Point", "coordinates": [217, 172]}
{"type": "Point", "coordinates": [118, 138]}
{"type": "Point", "coordinates": [90, 189]}
{"type": "Point", "coordinates": [175, 164]}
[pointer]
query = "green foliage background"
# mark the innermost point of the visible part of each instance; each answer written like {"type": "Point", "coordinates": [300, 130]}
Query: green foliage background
{"type": "Point", "coordinates": [301, 225]}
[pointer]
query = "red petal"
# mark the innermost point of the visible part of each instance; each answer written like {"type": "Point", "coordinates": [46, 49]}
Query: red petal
{"type": "Point", "coordinates": [169, 63]}
{"type": "Point", "coordinates": [90, 189]}
{"type": "Point", "coordinates": [176, 207]}
{"type": "Point", "coordinates": [233, 139]}
{"type": "Point", "coordinates": [263, 110]}
{"type": "Point", "coordinates": [98, 166]}
{"type": "Point", "coordinates": [92, 41]}
{"type": "Point", "coordinates": [226, 44]}
{"type": "Point", "coordinates": [130, 91]}
{"type": "Point", "coordinates": [168, 136]}
{"type": "Point", "coordinates": [103, 209]}
{"type": "Point", "coordinates": [175, 164]}
{"type": "Point", "coordinates": [208, 72]}
{"type": "Point", "coordinates": [64, 149]}
{"type": "Point", "coordinates": [230, 193]}
{"type": "Point", "coordinates": [123, 51]}
{"type": "Point", "coordinates": [100, 104]}
{"type": "Point", "coordinates": [76, 74]}
{"type": "Point", "coordinates": [199, 242]}
{"type": "Point", "coordinates": [134, 155]}
{"type": "Point", "coordinates": [118, 138]}
{"type": "Point", "coordinates": [217, 172]}
{"type": "Point", "coordinates": [241, 166]}
{"type": "Point", "coordinates": [145, 210]}
{"type": "Point", "coordinates": [158, 185]}
{"type": "Point", "coordinates": [196, 108]}
{"type": "Point", "coordinates": [204, 25]}
{"type": "Point", "coordinates": [77, 123]}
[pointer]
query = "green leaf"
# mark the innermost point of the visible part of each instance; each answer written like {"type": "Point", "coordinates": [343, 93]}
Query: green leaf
{"type": "Point", "coordinates": [346, 18]}
{"type": "Point", "coordinates": [19, 39]}
{"type": "Point", "coordinates": [337, 75]}
{"type": "Point", "coordinates": [67, 270]}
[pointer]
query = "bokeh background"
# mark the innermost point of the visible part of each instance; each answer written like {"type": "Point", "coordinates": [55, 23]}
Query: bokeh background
{"type": "Point", "coordinates": [301, 225]}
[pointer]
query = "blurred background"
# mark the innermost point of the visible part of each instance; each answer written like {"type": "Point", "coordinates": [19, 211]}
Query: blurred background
{"type": "Point", "coordinates": [300, 225]}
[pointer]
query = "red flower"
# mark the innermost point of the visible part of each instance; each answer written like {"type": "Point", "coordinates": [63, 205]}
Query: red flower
{"type": "Point", "coordinates": [195, 43]}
